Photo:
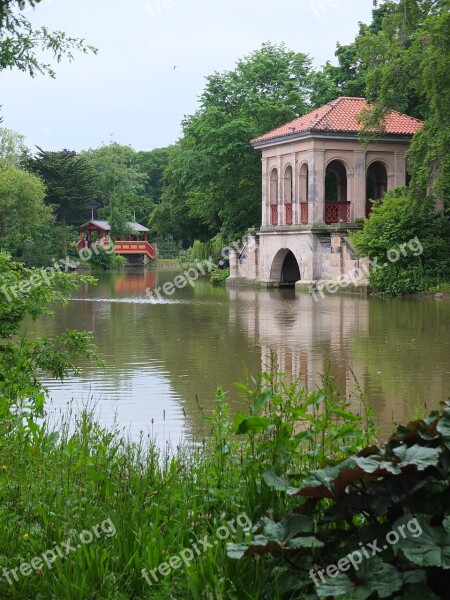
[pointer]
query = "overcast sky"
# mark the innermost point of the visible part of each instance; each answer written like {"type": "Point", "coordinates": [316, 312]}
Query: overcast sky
{"type": "Point", "coordinates": [130, 92]}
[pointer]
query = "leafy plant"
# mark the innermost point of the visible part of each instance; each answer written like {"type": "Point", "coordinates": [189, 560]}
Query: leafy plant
{"type": "Point", "coordinates": [219, 277]}
{"type": "Point", "coordinates": [366, 497]}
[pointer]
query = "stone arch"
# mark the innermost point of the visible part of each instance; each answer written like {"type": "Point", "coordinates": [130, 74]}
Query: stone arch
{"type": "Point", "coordinates": [337, 207]}
{"type": "Point", "coordinates": [377, 175]}
{"type": "Point", "coordinates": [285, 268]}
{"type": "Point", "coordinates": [304, 182]}
{"type": "Point", "coordinates": [287, 187]}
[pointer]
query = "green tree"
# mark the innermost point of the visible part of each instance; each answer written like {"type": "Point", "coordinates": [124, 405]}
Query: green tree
{"type": "Point", "coordinates": [12, 148]}
{"type": "Point", "coordinates": [23, 214]}
{"type": "Point", "coordinates": [25, 292]}
{"type": "Point", "coordinates": [152, 164]}
{"type": "Point", "coordinates": [214, 176]}
{"type": "Point", "coordinates": [422, 266]}
{"type": "Point", "coordinates": [408, 71]}
{"type": "Point", "coordinates": [117, 179]}
{"type": "Point", "coordinates": [23, 47]}
{"type": "Point", "coordinates": [70, 182]}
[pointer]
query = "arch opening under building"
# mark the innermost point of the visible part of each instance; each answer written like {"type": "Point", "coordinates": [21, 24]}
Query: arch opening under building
{"type": "Point", "coordinates": [285, 268]}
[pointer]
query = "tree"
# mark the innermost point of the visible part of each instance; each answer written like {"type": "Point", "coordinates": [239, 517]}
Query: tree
{"type": "Point", "coordinates": [408, 71]}
{"type": "Point", "coordinates": [12, 148]}
{"type": "Point", "coordinates": [26, 292]}
{"type": "Point", "coordinates": [424, 264]}
{"type": "Point", "coordinates": [213, 178]}
{"type": "Point", "coordinates": [22, 46]}
{"type": "Point", "coordinates": [23, 214]}
{"type": "Point", "coordinates": [152, 164]}
{"type": "Point", "coordinates": [348, 78]}
{"type": "Point", "coordinates": [120, 185]}
{"type": "Point", "coordinates": [70, 182]}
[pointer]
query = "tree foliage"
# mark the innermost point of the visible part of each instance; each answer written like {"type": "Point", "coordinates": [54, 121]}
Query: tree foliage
{"type": "Point", "coordinates": [12, 148]}
{"type": "Point", "coordinates": [407, 63]}
{"type": "Point", "coordinates": [396, 221]}
{"type": "Point", "coordinates": [69, 180]}
{"type": "Point", "coordinates": [22, 47]}
{"type": "Point", "coordinates": [213, 179]}
{"type": "Point", "coordinates": [23, 213]}
{"type": "Point", "coordinates": [23, 360]}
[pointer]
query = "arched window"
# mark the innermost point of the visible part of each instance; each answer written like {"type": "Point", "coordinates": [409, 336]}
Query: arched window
{"type": "Point", "coordinates": [274, 197]}
{"type": "Point", "coordinates": [287, 187]}
{"type": "Point", "coordinates": [376, 184]}
{"type": "Point", "coordinates": [337, 209]}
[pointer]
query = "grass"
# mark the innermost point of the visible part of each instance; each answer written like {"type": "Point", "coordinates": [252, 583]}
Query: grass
{"type": "Point", "coordinates": [76, 475]}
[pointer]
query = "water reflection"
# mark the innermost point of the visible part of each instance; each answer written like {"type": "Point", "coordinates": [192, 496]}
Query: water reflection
{"type": "Point", "coordinates": [164, 356]}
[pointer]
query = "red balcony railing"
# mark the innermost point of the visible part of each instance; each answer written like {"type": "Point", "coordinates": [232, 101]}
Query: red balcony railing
{"type": "Point", "coordinates": [304, 213]}
{"type": "Point", "coordinates": [288, 214]}
{"type": "Point", "coordinates": [274, 215]}
{"type": "Point", "coordinates": [337, 212]}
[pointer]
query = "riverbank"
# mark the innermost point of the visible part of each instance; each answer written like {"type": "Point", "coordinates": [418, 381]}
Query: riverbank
{"type": "Point", "coordinates": [241, 513]}
{"type": "Point", "coordinates": [87, 513]}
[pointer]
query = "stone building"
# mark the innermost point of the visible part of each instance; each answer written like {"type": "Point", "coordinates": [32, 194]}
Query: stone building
{"type": "Point", "coordinates": [317, 180]}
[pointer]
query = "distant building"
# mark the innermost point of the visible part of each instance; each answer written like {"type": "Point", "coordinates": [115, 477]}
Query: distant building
{"type": "Point", "coordinates": [317, 180]}
{"type": "Point", "coordinates": [136, 247]}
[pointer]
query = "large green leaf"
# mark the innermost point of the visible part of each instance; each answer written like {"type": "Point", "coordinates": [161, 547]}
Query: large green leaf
{"type": "Point", "coordinates": [443, 426]}
{"type": "Point", "coordinates": [252, 425]}
{"type": "Point", "coordinates": [373, 576]}
{"type": "Point", "coordinates": [417, 456]}
{"type": "Point", "coordinates": [427, 546]}
{"type": "Point", "coordinates": [331, 481]}
{"type": "Point", "coordinates": [276, 483]}
{"type": "Point", "coordinates": [277, 538]}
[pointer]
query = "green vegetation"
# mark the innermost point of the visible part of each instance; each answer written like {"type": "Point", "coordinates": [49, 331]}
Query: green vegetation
{"type": "Point", "coordinates": [398, 493]}
{"type": "Point", "coordinates": [395, 221]}
{"type": "Point", "coordinates": [73, 474]}
{"type": "Point", "coordinates": [24, 48]}
{"type": "Point", "coordinates": [219, 276]}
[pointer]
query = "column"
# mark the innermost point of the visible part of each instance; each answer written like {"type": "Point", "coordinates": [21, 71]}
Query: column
{"type": "Point", "coordinates": [265, 209]}
{"type": "Point", "coordinates": [359, 185]}
{"type": "Point", "coordinates": [399, 178]}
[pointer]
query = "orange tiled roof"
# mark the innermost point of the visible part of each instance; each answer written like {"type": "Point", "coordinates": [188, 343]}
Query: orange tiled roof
{"type": "Point", "coordinates": [341, 116]}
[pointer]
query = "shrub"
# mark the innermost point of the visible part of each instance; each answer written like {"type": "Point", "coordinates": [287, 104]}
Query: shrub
{"type": "Point", "coordinates": [219, 276]}
{"type": "Point", "coordinates": [399, 493]}
{"type": "Point", "coordinates": [105, 259]}
{"type": "Point", "coordinates": [393, 222]}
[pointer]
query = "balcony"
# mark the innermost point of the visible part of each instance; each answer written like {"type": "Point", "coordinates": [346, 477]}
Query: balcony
{"type": "Point", "coordinates": [337, 212]}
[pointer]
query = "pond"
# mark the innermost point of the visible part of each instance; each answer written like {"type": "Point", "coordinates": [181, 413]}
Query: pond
{"type": "Point", "coordinates": [165, 358]}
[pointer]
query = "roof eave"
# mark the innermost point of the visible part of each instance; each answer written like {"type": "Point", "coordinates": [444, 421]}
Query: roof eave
{"type": "Point", "coordinates": [287, 139]}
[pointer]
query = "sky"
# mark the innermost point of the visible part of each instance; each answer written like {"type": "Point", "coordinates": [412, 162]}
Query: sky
{"type": "Point", "coordinates": [129, 92]}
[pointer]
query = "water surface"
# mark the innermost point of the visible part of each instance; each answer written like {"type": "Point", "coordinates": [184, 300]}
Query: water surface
{"type": "Point", "coordinates": [163, 358]}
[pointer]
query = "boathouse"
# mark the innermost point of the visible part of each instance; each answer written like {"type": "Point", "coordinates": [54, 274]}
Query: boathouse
{"type": "Point", "coordinates": [317, 183]}
{"type": "Point", "coordinates": [136, 247]}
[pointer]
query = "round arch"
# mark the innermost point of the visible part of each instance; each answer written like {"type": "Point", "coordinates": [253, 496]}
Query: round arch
{"type": "Point", "coordinates": [376, 182]}
{"type": "Point", "coordinates": [287, 187]}
{"type": "Point", "coordinates": [285, 268]}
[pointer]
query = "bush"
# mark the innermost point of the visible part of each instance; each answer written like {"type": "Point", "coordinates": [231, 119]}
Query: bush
{"type": "Point", "coordinates": [398, 493]}
{"type": "Point", "coordinates": [218, 277]}
{"type": "Point", "coordinates": [393, 222]}
{"type": "Point", "coordinates": [103, 258]}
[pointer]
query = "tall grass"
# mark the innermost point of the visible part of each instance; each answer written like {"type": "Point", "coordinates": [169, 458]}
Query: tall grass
{"type": "Point", "coordinates": [77, 475]}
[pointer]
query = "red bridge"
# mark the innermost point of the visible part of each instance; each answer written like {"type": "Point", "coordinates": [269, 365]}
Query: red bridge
{"type": "Point", "coordinates": [98, 232]}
